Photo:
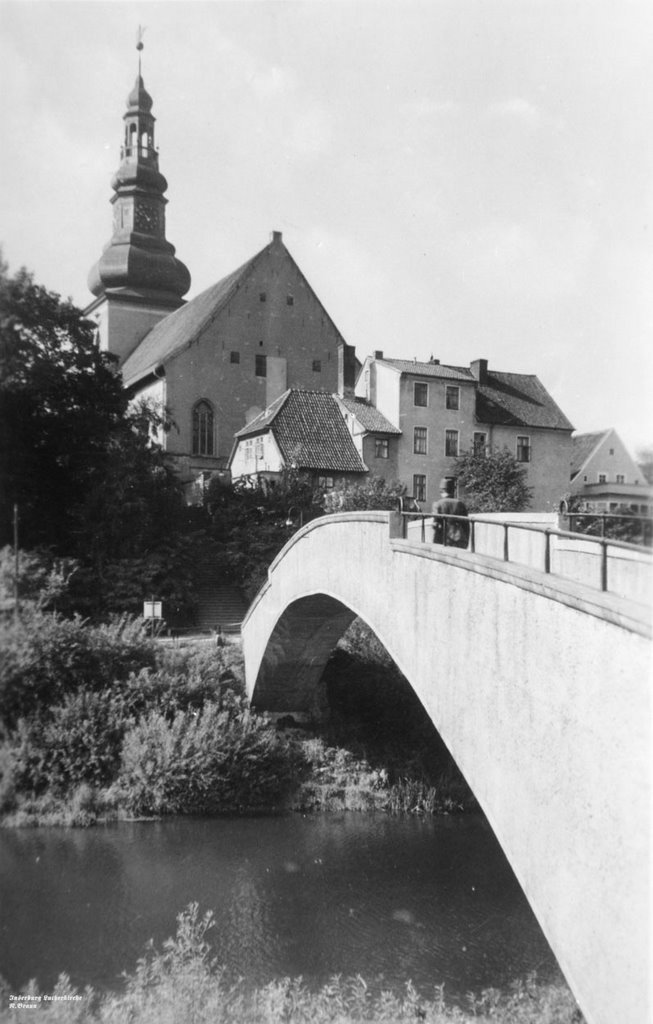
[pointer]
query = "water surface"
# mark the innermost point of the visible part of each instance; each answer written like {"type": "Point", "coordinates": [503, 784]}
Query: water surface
{"type": "Point", "coordinates": [388, 898]}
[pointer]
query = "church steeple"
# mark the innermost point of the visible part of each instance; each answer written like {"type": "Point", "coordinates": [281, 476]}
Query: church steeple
{"type": "Point", "coordinates": [138, 266]}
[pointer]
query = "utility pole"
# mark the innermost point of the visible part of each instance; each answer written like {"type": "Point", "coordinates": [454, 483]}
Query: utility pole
{"type": "Point", "coordinates": [16, 564]}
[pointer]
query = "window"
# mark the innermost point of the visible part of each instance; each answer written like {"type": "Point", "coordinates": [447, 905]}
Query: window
{"type": "Point", "coordinates": [317, 366]}
{"type": "Point", "coordinates": [603, 478]}
{"type": "Point", "coordinates": [325, 481]}
{"type": "Point", "coordinates": [612, 451]}
{"type": "Point", "coordinates": [261, 366]}
{"type": "Point", "coordinates": [203, 429]}
{"type": "Point", "coordinates": [523, 449]}
{"type": "Point", "coordinates": [451, 443]}
{"type": "Point", "coordinates": [479, 443]}
{"type": "Point", "coordinates": [259, 448]}
{"type": "Point", "coordinates": [419, 487]}
{"type": "Point", "coordinates": [419, 440]}
{"type": "Point", "coordinates": [420, 393]}
{"type": "Point", "coordinates": [234, 357]}
{"type": "Point", "coordinates": [290, 300]}
{"type": "Point", "coordinates": [452, 397]}
{"type": "Point", "coordinates": [262, 297]}
{"type": "Point", "coordinates": [381, 447]}
{"type": "Point", "coordinates": [621, 479]}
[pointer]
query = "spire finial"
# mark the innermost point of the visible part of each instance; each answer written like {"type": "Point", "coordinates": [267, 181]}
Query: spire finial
{"type": "Point", "coordinates": [139, 44]}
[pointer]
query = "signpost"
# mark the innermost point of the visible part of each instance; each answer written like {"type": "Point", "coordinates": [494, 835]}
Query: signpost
{"type": "Point", "coordinates": [153, 610]}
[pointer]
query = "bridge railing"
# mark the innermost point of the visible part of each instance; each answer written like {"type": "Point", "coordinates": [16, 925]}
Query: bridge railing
{"type": "Point", "coordinates": [610, 565]}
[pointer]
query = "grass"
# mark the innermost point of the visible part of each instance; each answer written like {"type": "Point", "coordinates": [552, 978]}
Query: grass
{"type": "Point", "coordinates": [182, 984]}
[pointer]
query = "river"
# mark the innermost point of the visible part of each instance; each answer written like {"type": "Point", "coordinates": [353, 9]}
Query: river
{"type": "Point", "coordinates": [389, 898]}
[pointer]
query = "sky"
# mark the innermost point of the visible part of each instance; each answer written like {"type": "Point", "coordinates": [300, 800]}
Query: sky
{"type": "Point", "coordinates": [466, 179]}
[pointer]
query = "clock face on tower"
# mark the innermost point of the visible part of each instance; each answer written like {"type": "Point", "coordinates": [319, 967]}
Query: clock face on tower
{"type": "Point", "coordinates": [146, 217]}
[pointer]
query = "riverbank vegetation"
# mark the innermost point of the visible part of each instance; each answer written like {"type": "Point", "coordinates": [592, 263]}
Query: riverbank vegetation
{"type": "Point", "coordinates": [101, 721]}
{"type": "Point", "coordinates": [181, 983]}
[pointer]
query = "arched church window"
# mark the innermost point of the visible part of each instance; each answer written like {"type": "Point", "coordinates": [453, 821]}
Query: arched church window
{"type": "Point", "coordinates": [203, 429]}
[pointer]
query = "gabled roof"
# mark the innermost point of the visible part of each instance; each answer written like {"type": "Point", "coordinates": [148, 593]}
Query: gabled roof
{"type": "Point", "coordinates": [368, 415]}
{"type": "Point", "coordinates": [583, 446]}
{"type": "Point", "coordinates": [310, 430]}
{"type": "Point", "coordinates": [430, 369]}
{"type": "Point", "coordinates": [517, 400]}
{"type": "Point", "coordinates": [181, 328]}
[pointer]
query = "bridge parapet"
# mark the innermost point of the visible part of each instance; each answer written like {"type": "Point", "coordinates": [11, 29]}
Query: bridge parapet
{"type": "Point", "coordinates": [534, 540]}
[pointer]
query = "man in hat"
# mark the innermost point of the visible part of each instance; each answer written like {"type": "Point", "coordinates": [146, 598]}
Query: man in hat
{"type": "Point", "coordinates": [451, 532]}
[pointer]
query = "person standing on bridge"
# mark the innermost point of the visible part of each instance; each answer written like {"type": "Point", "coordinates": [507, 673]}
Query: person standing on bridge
{"type": "Point", "coordinates": [451, 532]}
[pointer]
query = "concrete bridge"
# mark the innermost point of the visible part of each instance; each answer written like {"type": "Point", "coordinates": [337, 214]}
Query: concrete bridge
{"type": "Point", "coordinates": [538, 684]}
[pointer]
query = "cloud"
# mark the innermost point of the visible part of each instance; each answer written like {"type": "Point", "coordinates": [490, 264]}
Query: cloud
{"type": "Point", "coordinates": [516, 109]}
{"type": "Point", "coordinates": [535, 260]}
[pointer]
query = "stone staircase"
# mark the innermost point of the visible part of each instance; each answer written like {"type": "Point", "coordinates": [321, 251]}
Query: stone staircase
{"type": "Point", "coordinates": [219, 604]}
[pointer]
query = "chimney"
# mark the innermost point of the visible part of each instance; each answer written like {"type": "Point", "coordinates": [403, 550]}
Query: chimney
{"type": "Point", "coordinates": [479, 370]}
{"type": "Point", "coordinates": [276, 238]}
{"type": "Point", "coordinates": [346, 370]}
{"type": "Point", "coordinates": [378, 354]}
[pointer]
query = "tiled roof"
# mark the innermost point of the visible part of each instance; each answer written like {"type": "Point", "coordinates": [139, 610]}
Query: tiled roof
{"type": "Point", "coordinates": [582, 446]}
{"type": "Point", "coordinates": [310, 431]}
{"type": "Point", "coordinates": [181, 328]}
{"type": "Point", "coordinates": [429, 369]}
{"type": "Point", "coordinates": [368, 416]}
{"type": "Point", "coordinates": [518, 400]}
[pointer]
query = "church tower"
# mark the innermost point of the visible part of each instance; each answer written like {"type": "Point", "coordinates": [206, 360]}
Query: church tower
{"type": "Point", "coordinates": [138, 280]}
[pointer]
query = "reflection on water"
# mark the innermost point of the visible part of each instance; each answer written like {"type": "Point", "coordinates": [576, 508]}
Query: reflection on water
{"type": "Point", "coordinates": [387, 898]}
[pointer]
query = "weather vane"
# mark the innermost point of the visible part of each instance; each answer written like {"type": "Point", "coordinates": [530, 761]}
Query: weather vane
{"type": "Point", "coordinates": [139, 44]}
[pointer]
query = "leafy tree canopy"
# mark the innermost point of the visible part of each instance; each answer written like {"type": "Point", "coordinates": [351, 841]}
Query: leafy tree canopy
{"type": "Point", "coordinates": [61, 400]}
{"type": "Point", "coordinates": [644, 459]}
{"type": "Point", "coordinates": [375, 493]}
{"type": "Point", "coordinates": [493, 481]}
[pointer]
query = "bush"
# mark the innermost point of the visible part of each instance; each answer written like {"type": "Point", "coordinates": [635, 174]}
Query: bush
{"type": "Point", "coordinates": [43, 657]}
{"type": "Point", "coordinates": [76, 741]}
{"type": "Point", "coordinates": [220, 758]}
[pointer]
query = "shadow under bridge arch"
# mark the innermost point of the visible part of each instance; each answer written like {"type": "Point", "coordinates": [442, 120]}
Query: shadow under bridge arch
{"type": "Point", "coordinates": [290, 672]}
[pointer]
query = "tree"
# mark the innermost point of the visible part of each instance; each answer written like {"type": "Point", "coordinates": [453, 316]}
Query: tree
{"type": "Point", "coordinates": [493, 482]}
{"type": "Point", "coordinates": [374, 493]}
{"type": "Point", "coordinates": [82, 465]}
{"type": "Point", "coordinates": [644, 459]}
{"type": "Point", "coordinates": [251, 520]}
{"type": "Point", "coordinates": [61, 400]}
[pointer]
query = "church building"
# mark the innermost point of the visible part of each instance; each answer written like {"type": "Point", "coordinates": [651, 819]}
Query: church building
{"type": "Point", "coordinates": [216, 362]}
{"type": "Point", "coordinates": [253, 370]}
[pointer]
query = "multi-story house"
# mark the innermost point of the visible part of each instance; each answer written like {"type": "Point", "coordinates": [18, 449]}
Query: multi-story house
{"type": "Point", "coordinates": [605, 476]}
{"type": "Point", "coordinates": [443, 411]}
{"type": "Point", "coordinates": [302, 430]}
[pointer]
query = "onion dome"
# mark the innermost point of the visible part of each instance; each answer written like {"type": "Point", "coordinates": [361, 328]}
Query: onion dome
{"type": "Point", "coordinates": [139, 261]}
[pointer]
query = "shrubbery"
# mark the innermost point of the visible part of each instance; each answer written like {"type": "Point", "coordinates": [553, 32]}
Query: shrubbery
{"type": "Point", "coordinates": [182, 983]}
{"type": "Point", "coordinates": [105, 711]}
{"type": "Point", "coordinates": [221, 758]}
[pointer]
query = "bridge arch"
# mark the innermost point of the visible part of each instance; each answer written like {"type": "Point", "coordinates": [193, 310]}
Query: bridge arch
{"type": "Point", "coordinates": [538, 686]}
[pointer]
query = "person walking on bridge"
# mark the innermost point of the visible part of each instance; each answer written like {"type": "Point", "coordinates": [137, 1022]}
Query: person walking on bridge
{"type": "Point", "coordinates": [451, 532]}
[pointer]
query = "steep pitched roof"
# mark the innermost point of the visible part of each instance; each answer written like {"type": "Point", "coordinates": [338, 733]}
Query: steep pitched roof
{"type": "Point", "coordinates": [181, 328]}
{"type": "Point", "coordinates": [310, 431]}
{"type": "Point", "coordinates": [518, 400]}
{"type": "Point", "coordinates": [368, 415]}
{"type": "Point", "coordinates": [429, 369]}
{"type": "Point", "coordinates": [582, 446]}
